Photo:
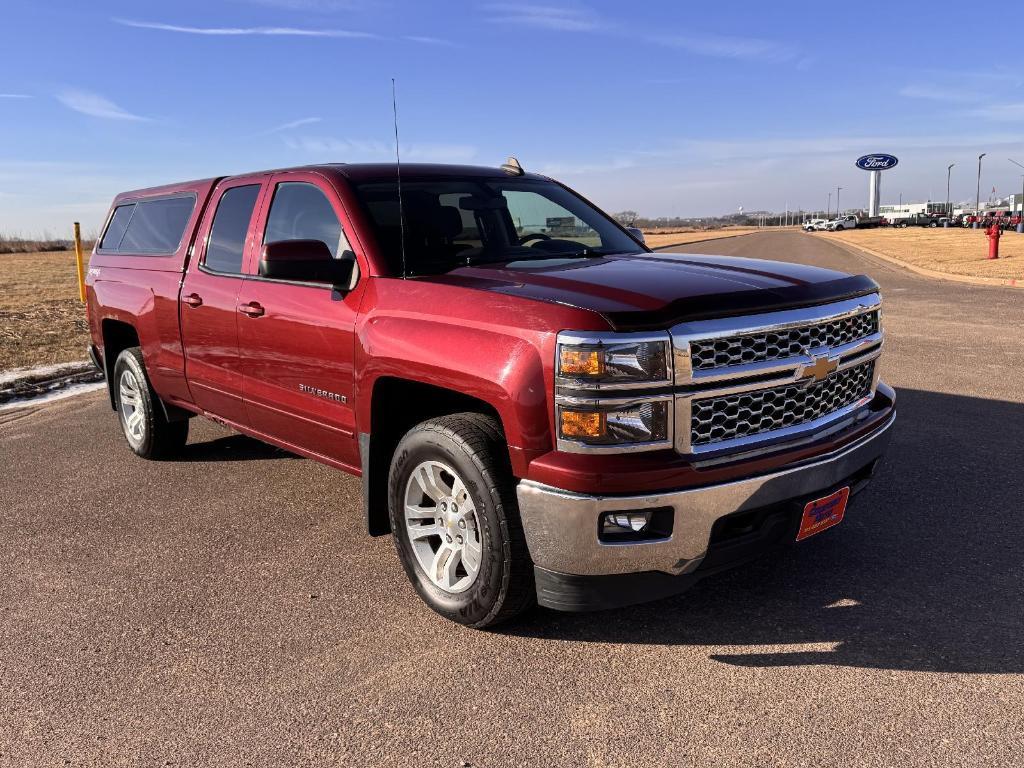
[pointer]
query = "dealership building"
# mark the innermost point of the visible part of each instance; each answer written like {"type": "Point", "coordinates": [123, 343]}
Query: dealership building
{"type": "Point", "coordinates": [906, 210]}
{"type": "Point", "coordinates": [896, 212]}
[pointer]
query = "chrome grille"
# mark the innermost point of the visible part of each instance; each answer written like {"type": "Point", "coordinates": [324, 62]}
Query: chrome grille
{"type": "Point", "coordinates": [727, 417]}
{"type": "Point", "coordinates": [707, 354]}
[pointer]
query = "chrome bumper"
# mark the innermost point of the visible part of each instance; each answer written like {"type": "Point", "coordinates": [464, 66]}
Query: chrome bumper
{"type": "Point", "coordinates": [561, 527]}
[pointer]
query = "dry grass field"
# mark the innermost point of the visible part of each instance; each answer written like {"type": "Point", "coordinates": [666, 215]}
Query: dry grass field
{"type": "Point", "coordinates": [41, 319]}
{"type": "Point", "coordinates": [954, 251]}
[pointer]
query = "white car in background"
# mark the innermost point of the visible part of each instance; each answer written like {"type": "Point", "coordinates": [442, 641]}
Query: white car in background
{"type": "Point", "coordinates": [812, 224]}
{"type": "Point", "coordinates": [843, 222]}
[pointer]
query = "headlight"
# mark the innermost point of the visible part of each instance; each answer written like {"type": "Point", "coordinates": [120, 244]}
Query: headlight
{"type": "Point", "coordinates": [614, 362]}
{"type": "Point", "coordinates": [595, 374]}
{"type": "Point", "coordinates": [641, 423]}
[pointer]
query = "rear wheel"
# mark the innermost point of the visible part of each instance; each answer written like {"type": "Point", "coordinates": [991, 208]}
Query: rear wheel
{"type": "Point", "coordinates": [456, 523]}
{"type": "Point", "coordinates": [146, 429]}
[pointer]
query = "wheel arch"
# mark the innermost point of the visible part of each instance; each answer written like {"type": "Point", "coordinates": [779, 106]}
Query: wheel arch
{"type": "Point", "coordinates": [397, 405]}
{"type": "Point", "coordinates": [118, 336]}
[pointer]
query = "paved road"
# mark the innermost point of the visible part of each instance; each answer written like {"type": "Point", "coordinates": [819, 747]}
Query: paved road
{"type": "Point", "coordinates": [227, 610]}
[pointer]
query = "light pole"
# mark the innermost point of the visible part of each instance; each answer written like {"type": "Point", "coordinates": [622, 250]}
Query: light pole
{"type": "Point", "coordinates": [828, 210]}
{"type": "Point", "coordinates": [838, 209]}
{"type": "Point", "coordinates": [977, 199]}
{"type": "Point", "coordinates": [949, 169]}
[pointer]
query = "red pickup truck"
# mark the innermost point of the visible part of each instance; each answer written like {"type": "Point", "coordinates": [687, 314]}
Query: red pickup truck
{"type": "Point", "coordinates": [540, 408]}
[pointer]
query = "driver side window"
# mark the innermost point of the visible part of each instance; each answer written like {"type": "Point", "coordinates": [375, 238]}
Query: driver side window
{"type": "Point", "coordinates": [301, 211]}
{"type": "Point", "coordinates": [535, 214]}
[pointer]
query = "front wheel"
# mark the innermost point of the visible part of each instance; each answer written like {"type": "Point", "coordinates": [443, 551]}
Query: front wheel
{"type": "Point", "coordinates": [456, 523]}
{"type": "Point", "coordinates": [146, 428]}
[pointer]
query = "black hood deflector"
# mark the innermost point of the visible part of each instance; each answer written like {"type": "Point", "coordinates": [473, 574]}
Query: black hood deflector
{"type": "Point", "coordinates": [739, 303]}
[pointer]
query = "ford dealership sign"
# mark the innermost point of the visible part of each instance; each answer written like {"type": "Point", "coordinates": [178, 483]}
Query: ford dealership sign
{"type": "Point", "coordinates": [876, 162]}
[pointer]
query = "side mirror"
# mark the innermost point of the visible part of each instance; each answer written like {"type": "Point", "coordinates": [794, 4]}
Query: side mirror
{"type": "Point", "coordinates": [637, 234]}
{"type": "Point", "coordinates": [307, 261]}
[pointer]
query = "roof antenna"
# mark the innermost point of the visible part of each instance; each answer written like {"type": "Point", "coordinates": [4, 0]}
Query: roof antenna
{"type": "Point", "coordinates": [398, 173]}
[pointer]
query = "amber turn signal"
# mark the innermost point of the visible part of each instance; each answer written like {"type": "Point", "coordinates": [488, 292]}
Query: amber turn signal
{"type": "Point", "coordinates": [582, 424]}
{"type": "Point", "coordinates": [579, 361]}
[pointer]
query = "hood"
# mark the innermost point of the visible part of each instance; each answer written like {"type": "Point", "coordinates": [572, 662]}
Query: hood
{"type": "Point", "coordinates": [655, 290]}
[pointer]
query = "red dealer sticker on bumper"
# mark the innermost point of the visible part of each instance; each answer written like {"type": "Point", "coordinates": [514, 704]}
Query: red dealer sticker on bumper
{"type": "Point", "coordinates": [821, 514]}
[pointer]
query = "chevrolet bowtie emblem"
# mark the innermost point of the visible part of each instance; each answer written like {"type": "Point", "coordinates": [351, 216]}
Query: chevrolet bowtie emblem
{"type": "Point", "coordinates": [820, 369]}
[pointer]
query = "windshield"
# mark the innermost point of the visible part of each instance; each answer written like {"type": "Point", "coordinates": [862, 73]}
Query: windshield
{"type": "Point", "coordinates": [453, 222]}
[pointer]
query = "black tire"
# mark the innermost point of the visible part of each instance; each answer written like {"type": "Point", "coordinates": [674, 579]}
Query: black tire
{"type": "Point", "coordinates": [158, 437]}
{"type": "Point", "coordinates": [473, 445]}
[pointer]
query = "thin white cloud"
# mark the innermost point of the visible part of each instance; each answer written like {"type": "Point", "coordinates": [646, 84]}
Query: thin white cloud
{"type": "Point", "coordinates": [371, 149]}
{"type": "Point", "coordinates": [581, 19]}
{"type": "Point", "coordinates": [246, 31]}
{"type": "Point", "coordinates": [272, 32]}
{"type": "Point", "coordinates": [543, 16]}
{"type": "Point", "coordinates": [722, 47]}
{"type": "Point", "coordinates": [14, 96]}
{"type": "Point", "coordinates": [427, 40]}
{"type": "Point", "coordinates": [556, 168]}
{"type": "Point", "coordinates": [760, 149]}
{"type": "Point", "coordinates": [1011, 112]}
{"type": "Point", "coordinates": [94, 105]}
{"type": "Point", "coordinates": [936, 93]}
{"type": "Point", "coordinates": [291, 125]}
{"type": "Point", "coordinates": [316, 6]}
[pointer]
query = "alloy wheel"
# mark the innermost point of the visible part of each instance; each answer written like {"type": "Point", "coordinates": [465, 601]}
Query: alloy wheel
{"type": "Point", "coordinates": [441, 522]}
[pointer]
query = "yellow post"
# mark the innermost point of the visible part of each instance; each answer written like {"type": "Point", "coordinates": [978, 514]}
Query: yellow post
{"type": "Point", "coordinates": [79, 263]}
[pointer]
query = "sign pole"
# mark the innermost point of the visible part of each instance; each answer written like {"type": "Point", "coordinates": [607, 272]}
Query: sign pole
{"type": "Point", "coordinates": [874, 192]}
{"type": "Point", "coordinates": [78, 263]}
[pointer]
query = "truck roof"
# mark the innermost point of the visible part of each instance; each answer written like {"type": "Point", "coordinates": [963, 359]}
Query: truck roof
{"type": "Point", "coordinates": [361, 172]}
{"type": "Point", "coordinates": [355, 172]}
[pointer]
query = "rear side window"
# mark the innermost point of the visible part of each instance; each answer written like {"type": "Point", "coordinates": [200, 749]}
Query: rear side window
{"type": "Point", "coordinates": [301, 211]}
{"type": "Point", "coordinates": [230, 226]}
{"type": "Point", "coordinates": [117, 227]}
{"type": "Point", "coordinates": [149, 226]}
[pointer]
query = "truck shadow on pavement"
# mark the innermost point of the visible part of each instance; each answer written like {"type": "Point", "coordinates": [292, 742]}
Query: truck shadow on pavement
{"type": "Point", "coordinates": [925, 574]}
{"type": "Point", "coordinates": [233, 447]}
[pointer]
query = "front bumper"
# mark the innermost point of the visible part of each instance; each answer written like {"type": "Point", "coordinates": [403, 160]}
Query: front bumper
{"type": "Point", "coordinates": [561, 527]}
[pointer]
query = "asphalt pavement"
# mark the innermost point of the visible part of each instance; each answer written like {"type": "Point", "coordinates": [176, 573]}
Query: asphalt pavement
{"type": "Point", "coordinates": [228, 610]}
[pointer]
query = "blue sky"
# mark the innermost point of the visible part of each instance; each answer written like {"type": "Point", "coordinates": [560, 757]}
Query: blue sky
{"type": "Point", "coordinates": [662, 107]}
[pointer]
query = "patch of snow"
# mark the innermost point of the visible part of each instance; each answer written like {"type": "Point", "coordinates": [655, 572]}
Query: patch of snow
{"type": "Point", "coordinates": [60, 394]}
{"type": "Point", "coordinates": [16, 374]}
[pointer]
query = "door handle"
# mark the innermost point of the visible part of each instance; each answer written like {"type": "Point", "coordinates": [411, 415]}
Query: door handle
{"type": "Point", "coordinates": [193, 300]}
{"type": "Point", "coordinates": [252, 309]}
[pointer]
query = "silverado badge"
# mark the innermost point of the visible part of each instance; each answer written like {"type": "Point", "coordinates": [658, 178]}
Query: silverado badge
{"type": "Point", "coordinates": [317, 392]}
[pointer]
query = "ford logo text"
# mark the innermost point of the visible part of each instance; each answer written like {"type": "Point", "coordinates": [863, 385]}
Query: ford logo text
{"type": "Point", "coordinates": [876, 162]}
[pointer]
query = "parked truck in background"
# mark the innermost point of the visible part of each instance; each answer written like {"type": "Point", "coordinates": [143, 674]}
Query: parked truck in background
{"type": "Point", "coordinates": [539, 414]}
{"type": "Point", "coordinates": [854, 222]}
{"type": "Point", "coordinates": [919, 220]}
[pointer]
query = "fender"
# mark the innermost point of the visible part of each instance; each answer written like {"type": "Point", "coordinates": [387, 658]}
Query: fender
{"type": "Point", "coordinates": [493, 347]}
{"type": "Point", "coordinates": [501, 369]}
{"type": "Point", "coordinates": [151, 307]}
